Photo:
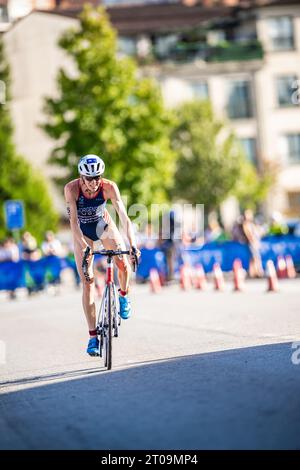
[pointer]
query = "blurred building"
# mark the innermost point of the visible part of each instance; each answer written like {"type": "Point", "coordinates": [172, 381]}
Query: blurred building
{"type": "Point", "coordinates": [245, 60]}
{"type": "Point", "coordinates": [4, 21]}
{"type": "Point", "coordinates": [12, 10]}
{"type": "Point", "coordinates": [242, 55]}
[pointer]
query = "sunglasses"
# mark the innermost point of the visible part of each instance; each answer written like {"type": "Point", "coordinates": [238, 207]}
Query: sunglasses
{"type": "Point", "coordinates": [91, 178]}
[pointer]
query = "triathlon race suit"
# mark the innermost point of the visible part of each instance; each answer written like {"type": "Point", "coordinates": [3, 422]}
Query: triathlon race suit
{"type": "Point", "coordinates": [92, 214]}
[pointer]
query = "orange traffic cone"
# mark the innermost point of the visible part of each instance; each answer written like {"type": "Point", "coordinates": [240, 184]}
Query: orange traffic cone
{"type": "Point", "coordinates": [272, 277]}
{"type": "Point", "coordinates": [281, 268]}
{"type": "Point", "coordinates": [185, 277]}
{"type": "Point", "coordinates": [155, 285]}
{"type": "Point", "coordinates": [290, 268]}
{"type": "Point", "coordinates": [218, 277]}
{"type": "Point", "coordinates": [238, 275]}
{"type": "Point", "coordinates": [200, 278]}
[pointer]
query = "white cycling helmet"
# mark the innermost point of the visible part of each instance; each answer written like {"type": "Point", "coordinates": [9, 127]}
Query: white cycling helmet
{"type": "Point", "coordinates": [91, 165]}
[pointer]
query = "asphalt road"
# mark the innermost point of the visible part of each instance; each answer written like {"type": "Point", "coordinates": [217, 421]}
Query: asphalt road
{"type": "Point", "coordinates": [192, 370]}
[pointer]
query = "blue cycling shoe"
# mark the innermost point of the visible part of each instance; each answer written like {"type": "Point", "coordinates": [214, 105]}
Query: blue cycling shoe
{"type": "Point", "coordinates": [125, 307]}
{"type": "Point", "coordinates": [93, 347]}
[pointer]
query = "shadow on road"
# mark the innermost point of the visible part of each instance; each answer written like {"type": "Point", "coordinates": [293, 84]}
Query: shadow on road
{"type": "Point", "coordinates": [237, 399]}
{"type": "Point", "coordinates": [38, 379]}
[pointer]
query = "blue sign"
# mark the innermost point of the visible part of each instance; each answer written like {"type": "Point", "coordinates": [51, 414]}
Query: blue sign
{"type": "Point", "coordinates": [14, 215]}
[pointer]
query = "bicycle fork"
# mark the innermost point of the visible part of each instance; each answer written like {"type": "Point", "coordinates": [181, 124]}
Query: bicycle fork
{"type": "Point", "coordinates": [109, 296]}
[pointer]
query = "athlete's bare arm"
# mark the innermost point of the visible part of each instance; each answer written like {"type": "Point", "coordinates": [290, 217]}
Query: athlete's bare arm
{"type": "Point", "coordinates": [111, 191]}
{"type": "Point", "coordinates": [71, 193]}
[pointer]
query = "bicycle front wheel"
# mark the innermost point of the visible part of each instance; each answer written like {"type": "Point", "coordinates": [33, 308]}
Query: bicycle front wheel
{"type": "Point", "coordinates": [108, 337]}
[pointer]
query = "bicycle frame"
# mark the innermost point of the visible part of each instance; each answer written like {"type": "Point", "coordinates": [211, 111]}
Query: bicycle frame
{"type": "Point", "coordinates": [108, 317]}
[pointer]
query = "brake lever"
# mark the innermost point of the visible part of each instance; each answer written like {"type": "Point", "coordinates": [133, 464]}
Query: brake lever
{"type": "Point", "coordinates": [136, 260]}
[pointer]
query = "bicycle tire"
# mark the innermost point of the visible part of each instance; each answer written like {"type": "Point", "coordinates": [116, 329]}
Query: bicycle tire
{"type": "Point", "coordinates": [109, 331]}
{"type": "Point", "coordinates": [100, 324]}
{"type": "Point", "coordinates": [115, 315]}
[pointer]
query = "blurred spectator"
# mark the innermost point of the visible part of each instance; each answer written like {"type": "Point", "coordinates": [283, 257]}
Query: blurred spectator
{"type": "Point", "coordinates": [191, 237]}
{"type": "Point", "coordinates": [9, 250]}
{"type": "Point", "coordinates": [3, 253]}
{"type": "Point", "coordinates": [261, 225]}
{"type": "Point", "coordinates": [12, 249]}
{"type": "Point", "coordinates": [252, 237]}
{"type": "Point", "coordinates": [51, 246]}
{"type": "Point", "coordinates": [146, 239]}
{"type": "Point", "coordinates": [214, 232]}
{"type": "Point", "coordinates": [277, 225]}
{"type": "Point", "coordinates": [72, 263]}
{"type": "Point", "coordinates": [237, 233]}
{"type": "Point", "coordinates": [297, 230]}
{"type": "Point", "coordinates": [167, 246]}
{"type": "Point", "coordinates": [29, 247]}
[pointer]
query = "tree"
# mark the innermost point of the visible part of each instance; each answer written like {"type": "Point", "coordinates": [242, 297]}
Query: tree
{"type": "Point", "coordinates": [17, 178]}
{"type": "Point", "coordinates": [252, 188]}
{"type": "Point", "coordinates": [109, 110]}
{"type": "Point", "coordinates": [209, 161]}
{"type": "Point", "coordinates": [212, 164]}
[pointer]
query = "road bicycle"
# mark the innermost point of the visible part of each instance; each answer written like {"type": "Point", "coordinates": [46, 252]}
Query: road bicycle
{"type": "Point", "coordinates": [109, 319]}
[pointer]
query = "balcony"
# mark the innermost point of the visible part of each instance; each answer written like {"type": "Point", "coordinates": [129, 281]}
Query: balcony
{"type": "Point", "coordinates": [251, 50]}
{"type": "Point", "coordinates": [183, 52]}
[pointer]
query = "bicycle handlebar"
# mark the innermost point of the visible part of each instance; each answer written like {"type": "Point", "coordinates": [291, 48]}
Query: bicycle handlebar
{"type": "Point", "coordinates": [109, 253]}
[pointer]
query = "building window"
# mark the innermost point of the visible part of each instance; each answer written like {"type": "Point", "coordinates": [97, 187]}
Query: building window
{"type": "Point", "coordinates": [285, 88]}
{"type": "Point", "coordinates": [200, 90]}
{"type": "Point", "coordinates": [281, 33]}
{"type": "Point", "coordinates": [164, 44]}
{"type": "Point", "coordinates": [292, 148]}
{"type": "Point", "coordinates": [249, 147]}
{"type": "Point", "coordinates": [3, 14]}
{"type": "Point", "coordinates": [294, 202]}
{"type": "Point", "coordinates": [127, 45]}
{"type": "Point", "coordinates": [239, 100]}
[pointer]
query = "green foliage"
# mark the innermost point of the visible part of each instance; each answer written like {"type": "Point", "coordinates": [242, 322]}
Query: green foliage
{"type": "Point", "coordinates": [209, 162]}
{"type": "Point", "coordinates": [5, 122]}
{"type": "Point", "coordinates": [17, 179]}
{"type": "Point", "coordinates": [252, 188]}
{"type": "Point", "coordinates": [107, 109]}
